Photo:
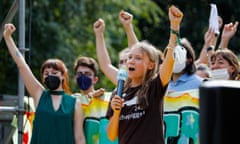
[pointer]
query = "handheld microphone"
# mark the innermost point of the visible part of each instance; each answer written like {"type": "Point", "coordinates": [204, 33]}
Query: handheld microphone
{"type": "Point", "coordinates": [121, 77]}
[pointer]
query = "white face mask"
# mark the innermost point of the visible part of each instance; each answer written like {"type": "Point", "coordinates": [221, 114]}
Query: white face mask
{"type": "Point", "coordinates": [180, 56]}
{"type": "Point", "coordinates": [179, 67]}
{"type": "Point", "coordinates": [220, 74]}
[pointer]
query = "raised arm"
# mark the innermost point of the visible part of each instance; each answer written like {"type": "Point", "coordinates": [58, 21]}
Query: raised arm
{"type": "Point", "coordinates": [126, 20]}
{"type": "Point", "coordinates": [228, 32]}
{"type": "Point", "coordinates": [33, 86]}
{"type": "Point", "coordinates": [210, 40]}
{"type": "Point", "coordinates": [103, 58]}
{"type": "Point", "coordinates": [165, 71]}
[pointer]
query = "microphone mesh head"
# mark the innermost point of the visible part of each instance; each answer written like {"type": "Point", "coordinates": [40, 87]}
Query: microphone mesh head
{"type": "Point", "coordinates": [122, 73]}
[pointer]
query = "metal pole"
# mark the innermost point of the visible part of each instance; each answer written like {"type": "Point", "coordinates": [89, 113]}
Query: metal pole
{"type": "Point", "coordinates": [20, 81]}
{"type": "Point", "coordinates": [8, 109]}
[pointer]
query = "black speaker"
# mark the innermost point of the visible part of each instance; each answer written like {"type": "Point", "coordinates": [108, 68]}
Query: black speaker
{"type": "Point", "coordinates": [219, 112]}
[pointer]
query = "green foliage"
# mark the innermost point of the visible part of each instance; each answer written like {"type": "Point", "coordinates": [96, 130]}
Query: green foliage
{"type": "Point", "coordinates": [64, 29]}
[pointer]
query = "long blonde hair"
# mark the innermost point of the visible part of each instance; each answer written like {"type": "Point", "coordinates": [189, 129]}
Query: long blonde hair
{"type": "Point", "coordinates": [152, 54]}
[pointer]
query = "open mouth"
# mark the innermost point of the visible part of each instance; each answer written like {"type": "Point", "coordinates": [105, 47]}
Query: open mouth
{"type": "Point", "coordinates": [131, 69]}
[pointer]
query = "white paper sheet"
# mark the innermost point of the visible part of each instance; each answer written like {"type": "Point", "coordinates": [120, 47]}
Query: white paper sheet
{"type": "Point", "coordinates": [213, 19]}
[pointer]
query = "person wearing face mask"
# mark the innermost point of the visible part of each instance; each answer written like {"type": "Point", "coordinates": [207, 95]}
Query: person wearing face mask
{"type": "Point", "coordinates": [58, 117]}
{"type": "Point", "coordinates": [94, 101]}
{"type": "Point", "coordinates": [223, 62]}
{"type": "Point", "coordinates": [184, 77]}
{"type": "Point", "coordinates": [224, 65]}
{"type": "Point", "coordinates": [181, 110]}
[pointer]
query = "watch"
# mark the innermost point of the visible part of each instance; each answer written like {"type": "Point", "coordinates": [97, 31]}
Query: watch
{"type": "Point", "coordinates": [210, 48]}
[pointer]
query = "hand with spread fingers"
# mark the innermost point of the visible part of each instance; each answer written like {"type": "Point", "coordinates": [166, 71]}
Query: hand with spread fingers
{"type": "Point", "coordinates": [229, 30]}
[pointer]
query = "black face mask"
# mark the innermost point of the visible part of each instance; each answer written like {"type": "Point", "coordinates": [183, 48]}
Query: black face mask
{"type": "Point", "coordinates": [52, 82]}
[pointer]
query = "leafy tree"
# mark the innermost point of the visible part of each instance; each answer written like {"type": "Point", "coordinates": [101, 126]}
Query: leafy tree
{"type": "Point", "coordinates": [64, 29]}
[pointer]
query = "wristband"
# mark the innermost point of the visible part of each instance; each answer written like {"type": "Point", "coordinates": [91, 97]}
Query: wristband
{"type": "Point", "coordinates": [177, 34]}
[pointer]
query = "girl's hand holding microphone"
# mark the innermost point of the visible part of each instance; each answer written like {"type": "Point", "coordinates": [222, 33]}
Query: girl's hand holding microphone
{"type": "Point", "coordinates": [116, 104]}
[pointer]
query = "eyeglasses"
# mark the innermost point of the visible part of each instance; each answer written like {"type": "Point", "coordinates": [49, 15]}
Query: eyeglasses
{"type": "Point", "coordinates": [88, 74]}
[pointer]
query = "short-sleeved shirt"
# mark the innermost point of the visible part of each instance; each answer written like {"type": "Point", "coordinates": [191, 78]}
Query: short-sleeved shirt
{"type": "Point", "coordinates": [181, 109]}
{"type": "Point", "coordinates": [96, 106]}
{"type": "Point", "coordinates": [95, 122]}
{"type": "Point", "coordinates": [185, 82]}
{"type": "Point", "coordinates": [139, 125]}
{"type": "Point", "coordinates": [54, 127]}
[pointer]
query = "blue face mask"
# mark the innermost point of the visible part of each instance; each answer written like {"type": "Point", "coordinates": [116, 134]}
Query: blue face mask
{"type": "Point", "coordinates": [84, 82]}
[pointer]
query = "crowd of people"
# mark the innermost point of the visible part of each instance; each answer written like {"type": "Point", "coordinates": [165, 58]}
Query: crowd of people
{"type": "Point", "coordinates": [144, 113]}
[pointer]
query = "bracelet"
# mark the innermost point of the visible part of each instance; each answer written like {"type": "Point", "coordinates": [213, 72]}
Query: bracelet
{"type": "Point", "coordinates": [175, 32]}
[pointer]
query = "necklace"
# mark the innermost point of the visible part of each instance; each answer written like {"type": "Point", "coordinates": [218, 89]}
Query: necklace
{"type": "Point", "coordinates": [58, 93]}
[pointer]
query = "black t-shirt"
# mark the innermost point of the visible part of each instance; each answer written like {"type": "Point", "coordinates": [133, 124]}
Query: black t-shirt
{"type": "Point", "coordinates": [138, 125]}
